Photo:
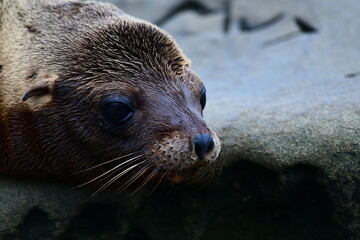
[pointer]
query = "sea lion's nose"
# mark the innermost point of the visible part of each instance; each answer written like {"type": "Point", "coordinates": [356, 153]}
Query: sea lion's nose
{"type": "Point", "coordinates": [202, 143]}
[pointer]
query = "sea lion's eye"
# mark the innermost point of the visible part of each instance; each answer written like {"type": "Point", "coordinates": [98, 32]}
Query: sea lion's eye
{"type": "Point", "coordinates": [117, 111]}
{"type": "Point", "coordinates": [203, 97]}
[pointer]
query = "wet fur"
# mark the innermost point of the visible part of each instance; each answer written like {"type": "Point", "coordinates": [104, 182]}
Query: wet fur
{"type": "Point", "coordinates": [94, 50]}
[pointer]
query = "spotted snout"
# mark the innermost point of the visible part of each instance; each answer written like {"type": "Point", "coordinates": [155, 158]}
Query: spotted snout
{"type": "Point", "coordinates": [182, 151]}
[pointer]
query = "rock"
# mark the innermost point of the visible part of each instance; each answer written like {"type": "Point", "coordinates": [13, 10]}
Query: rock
{"type": "Point", "coordinates": [283, 80]}
{"type": "Point", "coordinates": [46, 209]}
{"type": "Point", "coordinates": [286, 95]}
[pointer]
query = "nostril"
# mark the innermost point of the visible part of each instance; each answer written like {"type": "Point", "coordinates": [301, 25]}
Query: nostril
{"type": "Point", "coordinates": [203, 143]}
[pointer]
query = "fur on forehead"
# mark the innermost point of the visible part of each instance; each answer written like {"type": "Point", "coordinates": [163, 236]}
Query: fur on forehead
{"type": "Point", "coordinates": [131, 47]}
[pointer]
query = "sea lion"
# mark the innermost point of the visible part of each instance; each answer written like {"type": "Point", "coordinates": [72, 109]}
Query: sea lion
{"type": "Point", "coordinates": [91, 95]}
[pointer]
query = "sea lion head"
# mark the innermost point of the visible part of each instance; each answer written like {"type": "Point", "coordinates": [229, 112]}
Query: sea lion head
{"type": "Point", "coordinates": [125, 108]}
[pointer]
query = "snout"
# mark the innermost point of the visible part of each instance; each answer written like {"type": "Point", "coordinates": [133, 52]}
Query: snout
{"type": "Point", "coordinates": [202, 144]}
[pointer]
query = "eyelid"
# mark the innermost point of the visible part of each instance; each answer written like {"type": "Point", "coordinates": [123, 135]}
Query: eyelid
{"type": "Point", "coordinates": [124, 100]}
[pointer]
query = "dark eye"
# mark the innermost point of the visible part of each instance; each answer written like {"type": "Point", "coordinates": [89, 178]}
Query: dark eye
{"type": "Point", "coordinates": [203, 97]}
{"type": "Point", "coordinates": [117, 111]}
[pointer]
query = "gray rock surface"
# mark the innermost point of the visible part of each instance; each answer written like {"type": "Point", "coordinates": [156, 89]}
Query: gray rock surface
{"type": "Point", "coordinates": [287, 94]}
{"type": "Point", "coordinates": [283, 83]}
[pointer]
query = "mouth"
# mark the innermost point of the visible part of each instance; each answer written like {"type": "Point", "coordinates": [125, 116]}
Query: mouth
{"type": "Point", "coordinates": [177, 176]}
{"type": "Point", "coordinates": [185, 174]}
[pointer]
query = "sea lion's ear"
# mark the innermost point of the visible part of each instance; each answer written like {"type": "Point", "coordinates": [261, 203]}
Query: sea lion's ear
{"type": "Point", "coordinates": [41, 88]}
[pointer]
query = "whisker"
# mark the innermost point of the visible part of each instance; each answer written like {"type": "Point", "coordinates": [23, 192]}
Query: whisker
{"type": "Point", "coordinates": [116, 177]}
{"type": "Point", "coordinates": [115, 172]}
{"type": "Point", "coordinates": [200, 174]}
{"type": "Point", "coordinates": [114, 168]}
{"type": "Point", "coordinates": [200, 185]}
{"type": "Point", "coordinates": [104, 163]}
{"type": "Point", "coordinates": [158, 183]}
{"type": "Point", "coordinates": [134, 178]}
{"type": "Point", "coordinates": [171, 183]}
{"type": "Point", "coordinates": [210, 175]}
{"type": "Point", "coordinates": [180, 168]}
{"type": "Point", "coordinates": [219, 170]}
{"type": "Point", "coordinates": [203, 177]}
{"type": "Point", "coordinates": [202, 64]}
{"type": "Point", "coordinates": [151, 175]}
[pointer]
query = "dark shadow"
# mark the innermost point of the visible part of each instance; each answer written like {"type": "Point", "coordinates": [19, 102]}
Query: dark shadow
{"type": "Point", "coordinates": [260, 205]}
{"type": "Point", "coordinates": [247, 26]}
{"type": "Point", "coordinates": [304, 26]}
{"type": "Point", "coordinates": [94, 222]}
{"type": "Point", "coordinates": [191, 5]}
{"type": "Point", "coordinates": [36, 226]}
{"type": "Point", "coordinates": [227, 18]}
{"type": "Point", "coordinates": [352, 75]}
{"type": "Point", "coordinates": [248, 202]}
{"type": "Point", "coordinates": [136, 234]}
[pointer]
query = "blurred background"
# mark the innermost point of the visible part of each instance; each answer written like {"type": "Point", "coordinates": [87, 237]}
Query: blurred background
{"type": "Point", "coordinates": [283, 84]}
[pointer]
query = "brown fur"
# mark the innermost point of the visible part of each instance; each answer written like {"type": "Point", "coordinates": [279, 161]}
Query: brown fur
{"type": "Point", "coordinates": [74, 54]}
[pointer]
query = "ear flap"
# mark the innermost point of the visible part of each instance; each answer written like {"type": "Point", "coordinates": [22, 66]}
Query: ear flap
{"type": "Point", "coordinates": [40, 88]}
